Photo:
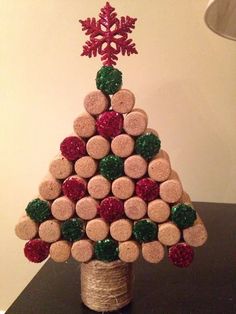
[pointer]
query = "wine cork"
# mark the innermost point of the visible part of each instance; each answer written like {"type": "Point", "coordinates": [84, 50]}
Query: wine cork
{"type": "Point", "coordinates": [171, 190]}
{"type": "Point", "coordinates": [135, 166]}
{"type": "Point", "coordinates": [168, 233]}
{"type": "Point", "coordinates": [140, 111]}
{"type": "Point", "coordinates": [129, 251]}
{"type": "Point", "coordinates": [84, 125]}
{"type": "Point", "coordinates": [159, 168]}
{"type": "Point", "coordinates": [60, 251]}
{"type": "Point", "coordinates": [122, 145]}
{"type": "Point", "coordinates": [153, 252]}
{"type": "Point", "coordinates": [135, 208]}
{"type": "Point", "coordinates": [98, 187]}
{"type": "Point", "coordinates": [97, 229]}
{"type": "Point", "coordinates": [158, 210]}
{"type": "Point", "coordinates": [197, 234]}
{"type": "Point", "coordinates": [123, 188]}
{"type": "Point", "coordinates": [185, 198]}
{"type": "Point", "coordinates": [135, 123]}
{"type": "Point", "coordinates": [50, 188]}
{"type": "Point", "coordinates": [82, 250]}
{"type": "Point", "coordinates": [60, 167]}
{"type": "Point", "coordinates": [86, 208]}
{"type": "Point", "coordinates": [123, 101]}
{"type": "Point", "coordinates": [98, 147]}
{"type": "Point", "coordinates": [26, 228]}
{"type": "Point", "coordinates": [121, 230]}
{"type": "Point", "coordinates": [49, 231]}
{"type": "Point", "coordinates": [85, 167]}
{"type": "Point", "coordinates": [96, 102]}
{"type": "Point", "coordinates": [62, 208]}
{"type": "Point", "coordinates": [150, 130]}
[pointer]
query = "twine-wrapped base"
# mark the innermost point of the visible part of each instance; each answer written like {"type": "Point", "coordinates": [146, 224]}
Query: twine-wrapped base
{"type": "Point", "coordinates": [106, 286]}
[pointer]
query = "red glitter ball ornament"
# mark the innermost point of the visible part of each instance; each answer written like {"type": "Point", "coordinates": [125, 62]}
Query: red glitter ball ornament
{"type": "Point", "coordinates": [181, 254]}
{"type": "Point", "coordinates": [73, 147]}
{"type": "Point", "coordinates": [147, 189]}
{"type": "Point", "coordinates": [111, 209]}
{"type": "Point", "coordinates": [36, 250]}
{"type": "Point", "coordinates": [109, 124]}
{"type": "Point", "coordinates": [74, 188]}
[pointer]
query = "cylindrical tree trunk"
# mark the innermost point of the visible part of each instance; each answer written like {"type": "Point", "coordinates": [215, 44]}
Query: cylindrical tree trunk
{"type": "Point", "coordinates": [106, 286]}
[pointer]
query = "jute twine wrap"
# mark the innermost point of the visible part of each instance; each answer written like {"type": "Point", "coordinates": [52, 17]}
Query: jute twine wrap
{"type": "Point", "coordinates": [106, 286]}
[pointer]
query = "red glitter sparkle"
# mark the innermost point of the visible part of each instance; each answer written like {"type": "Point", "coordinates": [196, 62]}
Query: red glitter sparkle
{"type": "Point", "coordinates": [73, 147]}
{"type": "Point", "coordinates": [108, 36]}
{"type": "Point", "coordinates": [147, 189]}
{"type": "Point", "coordinates": [109, 124]}
{"type": "Point", "coordinates": [111, 209]}
{"type": "Point", "coordinates": [74, 188]}
{"type": "Point", "coordinates": [181, 254]}
{"type": "Point", "coordinates": [36, 250]}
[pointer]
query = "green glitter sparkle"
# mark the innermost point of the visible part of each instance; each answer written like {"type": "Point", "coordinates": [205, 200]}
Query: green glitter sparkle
{"type": "Point", "coordinates": [72, 229]}
{"type": "Point", "coordinates": [106, 250]}
{"type": "Point", "coordinates": [183, 215]}
{"type": "Point", "coordinates": [145, 231]}
{"type": "Point", "coordinates": [38, 210]}
{"type": "Point", "coordinates": [109, 80]}
{"type": "Point", "coordinates": [147, 145]}
{"type": "Point", "coordinates": [111, 167]}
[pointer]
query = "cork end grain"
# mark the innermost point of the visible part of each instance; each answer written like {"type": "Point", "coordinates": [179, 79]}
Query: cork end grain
{"type": "Point", "coordinates": [60, 167]}
{"type": "Point", "coordinates": [123, 101]}
{"type": "Point", "coordinates": [50, 188]}
{"type": "Point", "coordinates": [85, 167]}
{"type": "Point", "coordinates": [62, 208]}
{"type": "Point", "coordinates": [26, 228]}
{"type": "Point", "coordinates": [82, 250]}
{"type": "Point", "coordinates": [50, 231]}
{"type": "Point", "coordinates": [168, 233]}
{"type": "Point", "coordinates": [123, 188]}
{"type": "Point", "coordinates": [97, 229]}
{"type": "Point", "coordinates": [129, 251]}
{"type": "Point", "coordinates": [60, 251]}
{"type": "Point", "coordinates": [99, 187]}
{"type": "Point", "coordinates": [96, 102]}
{"type": "Point", "coordinates": [153, 252]}
{"type": "Point", "coordinates": [98, 147]}
{"type": "Point", "coordinates": [84, 125]}
{"type": "Point", "coordinates": [135, 208]}
{"type": "Point", "coordinates": [121, 230]}
{"type": "Point", "coordinates": [135, 123]}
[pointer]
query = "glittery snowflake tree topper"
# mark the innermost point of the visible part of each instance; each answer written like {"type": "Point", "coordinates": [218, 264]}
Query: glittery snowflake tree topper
{"type": "Point", "coordinates": [108, 36]}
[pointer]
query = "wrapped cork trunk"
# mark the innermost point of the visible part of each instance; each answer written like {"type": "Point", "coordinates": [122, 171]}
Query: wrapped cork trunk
{"type": "Point", "coordinates": [111, 194]}
{"type": "Point", "coordinates": [106, 287]}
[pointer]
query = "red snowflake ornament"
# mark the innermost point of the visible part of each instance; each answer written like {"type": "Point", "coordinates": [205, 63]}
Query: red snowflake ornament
{"type": "Point", "coordinates": [108, 36]}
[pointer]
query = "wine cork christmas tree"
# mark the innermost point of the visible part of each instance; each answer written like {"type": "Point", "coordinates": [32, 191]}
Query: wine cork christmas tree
{"type": "Point", "coordinates": [111, 194]}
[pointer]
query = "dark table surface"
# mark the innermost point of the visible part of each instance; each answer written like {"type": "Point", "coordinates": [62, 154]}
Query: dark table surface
{"type": "Point", "coordinates": [207, 286]}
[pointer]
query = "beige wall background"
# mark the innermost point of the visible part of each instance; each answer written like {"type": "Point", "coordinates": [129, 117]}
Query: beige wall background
{"type": "Point", "coordinates": [184, 77]}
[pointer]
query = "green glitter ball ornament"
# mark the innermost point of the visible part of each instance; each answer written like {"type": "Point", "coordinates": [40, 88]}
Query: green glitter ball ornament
{"type": "Point", "coordinates": [183, 215]}
{"type": "Point", "coordinates": [72, 229]}
{"type": "Point", "coordinates": [109, 80]}
{"type": "Point", "coordinates": [147, 145]}
{"type": "Point", "coordinates": [145, 231]}
{"type": "Point", "coordinates": [38, 210]}
{"type": "Point", "coordinates": [111, 167]}
{"type": "Point", "coordinates": [106, 250]}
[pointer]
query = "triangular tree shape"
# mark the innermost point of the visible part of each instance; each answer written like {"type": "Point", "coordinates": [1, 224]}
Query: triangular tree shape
{"type": "Point", "coordinates": [111, 193]}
